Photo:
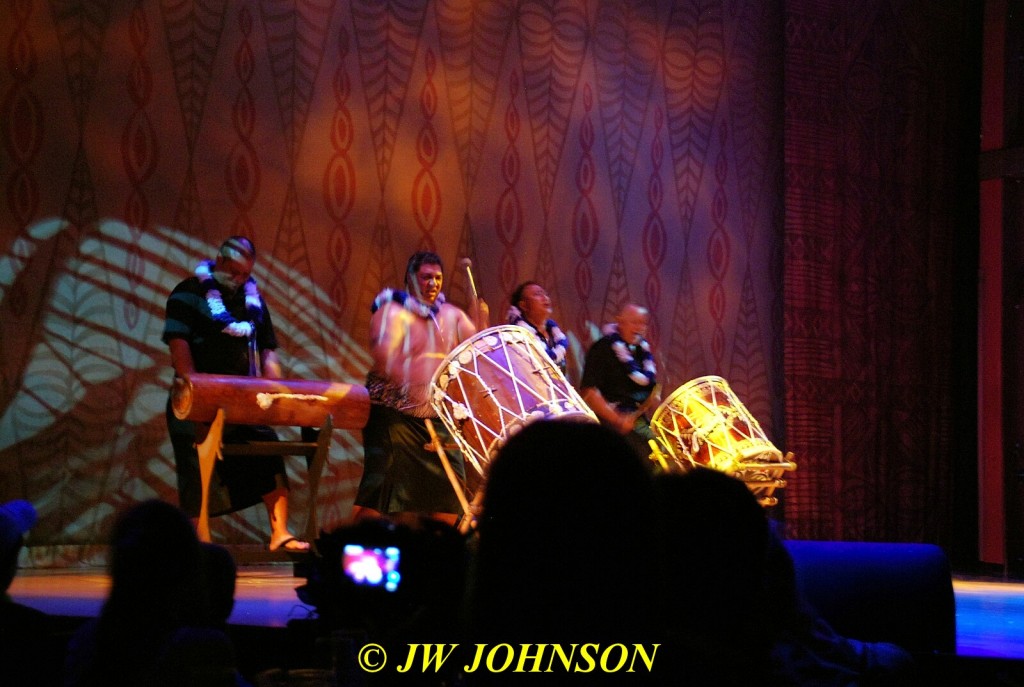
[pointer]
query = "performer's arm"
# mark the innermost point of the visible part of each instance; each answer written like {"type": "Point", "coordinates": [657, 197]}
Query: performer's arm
{"type": "Point", "coordinates": [458, 320]}
{"type": "Point", "coordinates": [270, 364]}
{"type": "Point", "coordinates": [623, 424]}
{"type": "Point", "coordinates": [181, 357]}
{"type": "Point", "coordinates": [480, 313]}
{"type": "Point", "coordinates": [389, 342]}
{"type": "Point", "coordinates": [467, 326]}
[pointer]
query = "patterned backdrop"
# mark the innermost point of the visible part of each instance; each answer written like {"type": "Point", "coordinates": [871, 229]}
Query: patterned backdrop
{"type": "Point", "coordinates": [612, 150]}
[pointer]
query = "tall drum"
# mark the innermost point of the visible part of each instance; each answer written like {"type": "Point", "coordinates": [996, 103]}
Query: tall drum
{"type": "Point", "coordinates": [494, 384]}
{"type": "Point", "coordinates": [703, 423]}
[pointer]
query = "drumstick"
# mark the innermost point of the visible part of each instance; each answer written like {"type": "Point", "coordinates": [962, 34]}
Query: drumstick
{"type": "Point", "coordinates": [482, 314]}
{"type": "Point", "coordinates": [657, 455]}
{"type": "Point", "coordinates": [468, 264]}
{"type": "Point", "coordinates": [452, 477]}
{"type": "Point", "coordinates": [475, 507]}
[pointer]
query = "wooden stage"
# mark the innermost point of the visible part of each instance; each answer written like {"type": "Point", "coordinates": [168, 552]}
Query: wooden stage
{"type": "Point", "coordinates": [264, 595]}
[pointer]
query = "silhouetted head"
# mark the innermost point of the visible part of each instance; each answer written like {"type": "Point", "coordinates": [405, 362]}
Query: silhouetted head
{"type": "Point", "coordinates": [715, 544]}
{"type": "Point", "coordinates": [219, 575]}
{"type": "Point", "coordinates": [16, 519]}
{"type": "Point", "coordinates": [154, 563]}
{"type": "Point", "coordinates": [563, 546]}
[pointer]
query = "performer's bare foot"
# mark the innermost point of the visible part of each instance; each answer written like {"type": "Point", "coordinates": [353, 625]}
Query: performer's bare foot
{"type": "Point", "coordinates": [288, 543]}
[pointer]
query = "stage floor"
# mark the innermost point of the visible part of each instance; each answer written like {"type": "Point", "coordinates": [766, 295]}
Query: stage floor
{"type": "Point", "coordinates": [989, 614]}
{"type": "Point", "coordinates": [989, 618]}
{"type": "Point", "coordinates": [264, 595]}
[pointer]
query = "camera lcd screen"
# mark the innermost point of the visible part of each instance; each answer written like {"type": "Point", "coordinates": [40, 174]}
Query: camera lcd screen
{"type": "Point", "coordinates": [372, 566]}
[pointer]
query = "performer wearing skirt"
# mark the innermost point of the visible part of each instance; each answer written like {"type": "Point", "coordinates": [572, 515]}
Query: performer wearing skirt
{"type": "Point", "coordinates": [411, 333]}
{"type": "Point", "coordinates": [218, 323]}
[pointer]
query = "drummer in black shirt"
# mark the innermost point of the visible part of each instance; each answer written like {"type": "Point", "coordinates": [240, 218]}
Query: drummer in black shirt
{"type": "Point", "coordinates": [620, 378]}
{"type": "Point", "coordinates": [218, 323]}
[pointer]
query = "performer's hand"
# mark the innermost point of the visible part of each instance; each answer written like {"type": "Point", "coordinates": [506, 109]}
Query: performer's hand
{"type": "Point", "coordinates": [652, 401]}
{"type": "Point", "coordinates": [481, 314]}
{"type": "Point", "coordinates": [270, 364]}
{"type": "Point", "coordinates": [626, 423]}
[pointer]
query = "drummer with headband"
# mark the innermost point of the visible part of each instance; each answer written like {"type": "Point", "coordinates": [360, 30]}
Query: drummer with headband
{"type": "Point", "coordinates": [620, 378]}
{"type": "Point", "coordinates": [411, 333]}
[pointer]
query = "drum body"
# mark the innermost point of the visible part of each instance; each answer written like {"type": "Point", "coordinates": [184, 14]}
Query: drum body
{"type": "Point", "coordinates": [264, 401]}
{"type": "Point", "coordinates": [703, 423]}
{"type": "Point", "coordinates": [494, 384]}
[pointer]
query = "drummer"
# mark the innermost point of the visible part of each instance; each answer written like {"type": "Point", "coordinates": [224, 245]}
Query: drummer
{"type": "Point", "coordinates": [411, 333]}
{"type": "Point", "coordinates": [620, 379]}
{"type": "Point", "coordinates": [530, 307]}
{"type": "Point", "coordinates": [218, 323]}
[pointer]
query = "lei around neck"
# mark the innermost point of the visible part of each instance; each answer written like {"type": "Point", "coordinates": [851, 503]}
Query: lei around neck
{"type": "Point", "coordinates": [407, 301]}
{"type": "Point", "coordinates": [215, 301]}
{"type": "Point", "coordinates": [556, 343]}
{"type": "Point", "coordinates": [643, 371]}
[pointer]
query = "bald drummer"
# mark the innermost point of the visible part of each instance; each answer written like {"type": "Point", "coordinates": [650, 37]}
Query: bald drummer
{"type": "Point", "coordinates": [620, 378]}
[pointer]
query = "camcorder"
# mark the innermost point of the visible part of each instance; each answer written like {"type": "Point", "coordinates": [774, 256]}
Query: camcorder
{"type": "Point", "coordinates": [386, 578]}
{"type": "Point", "coordinates": [373, 566]}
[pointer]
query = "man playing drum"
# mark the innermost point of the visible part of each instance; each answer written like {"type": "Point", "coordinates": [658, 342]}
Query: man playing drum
{"type": "Point", "coordinates": [411, 333]}
{"type": "Point", "coordinates": [530, 307]}
{"type": "Point", "coordinates": [218, 323]}
{"type": "Point", "coordinates": [620, 378]}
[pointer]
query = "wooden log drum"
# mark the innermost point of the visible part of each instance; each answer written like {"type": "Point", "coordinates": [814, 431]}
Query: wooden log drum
{"type": "Point", "coordinates": [220, 399]}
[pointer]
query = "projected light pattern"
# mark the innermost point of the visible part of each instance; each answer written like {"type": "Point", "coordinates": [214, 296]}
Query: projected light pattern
{"type": "Point", "coordinates": [82, 415]}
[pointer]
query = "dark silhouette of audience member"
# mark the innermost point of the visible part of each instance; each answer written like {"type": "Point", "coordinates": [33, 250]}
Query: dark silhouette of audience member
{"type": "Point", "coordinates": [712, 586]}
{"type": "Point", "coordinates": [153, 628]}
{"type": "Point", "coordinates": [563, 553]}
{"type": "Point", "coordinates": [219, 575]}
{"type": "Point", "coordinates": [809, 652]}
{"type": "Point", "coordinates": [29, 652]}
{"type": "Point", "coordinates": [730, 600]}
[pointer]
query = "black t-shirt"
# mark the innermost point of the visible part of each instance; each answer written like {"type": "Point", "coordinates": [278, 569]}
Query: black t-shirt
{"type": "Point", "coordinates": [605, 372]}
{"type": "Point", "coordinates": [213, 351]}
